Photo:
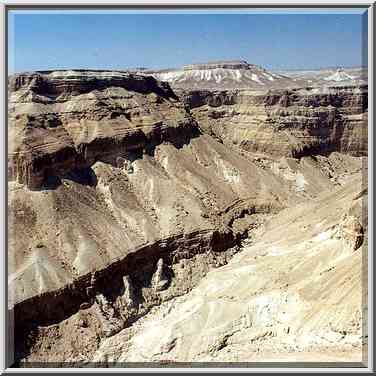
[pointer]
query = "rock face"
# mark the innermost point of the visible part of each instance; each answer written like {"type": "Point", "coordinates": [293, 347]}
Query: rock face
{"type": "Point", "coordinates": [124, 194]}
{"type": "Point", "coordinates": [66, 120]}
{"type": "Point", "coordinates": [294, 294]}
{"type": "Point", "coordinates": [352, 232]}
{"type": "Point", "coordinates": [63, 121]}
{"type": "Point", "coordinates": [124, 146]}
{"type": "Point", "coordinates": [159, 280]}
{"type": "Point", "coordinates": [291, 123]}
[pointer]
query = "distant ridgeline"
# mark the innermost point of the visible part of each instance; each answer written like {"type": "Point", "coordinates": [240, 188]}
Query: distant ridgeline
{"type": "Point", "coordinates": [229, 64]}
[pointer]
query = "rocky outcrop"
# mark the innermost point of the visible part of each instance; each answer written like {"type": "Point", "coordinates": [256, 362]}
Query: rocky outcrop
{"type": "Point", "coordinates": [126, 195]}
{"type": "Point", "coordinates": [295, 293]}
{"type": "Point", "coordinates": [352, 232]}
{"type": "Point", "coordinates": [62, 121]}
{"type": "Point", "coordinates": [62, 84]}
{"type": "Point", "coordinates": [292, 123]}
{"type": "Point", "coordinates": [125, 146]}
{"type": "Point", "coordinates": [122, 291]}
{"type": "Point", "coordinates": [159, 280]}
{"type": "Point", "coordinates": [121, 177]}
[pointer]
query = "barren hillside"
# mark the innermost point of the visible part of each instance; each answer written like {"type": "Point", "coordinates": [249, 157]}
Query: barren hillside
{"type": "Point", "coordinates": [156, 223]}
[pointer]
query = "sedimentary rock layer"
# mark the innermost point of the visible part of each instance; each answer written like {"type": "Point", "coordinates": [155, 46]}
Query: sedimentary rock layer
{"type": "Point", "coordinates": [296, 293]}
{"type": "Point", "coordinates": [293, 123]}
{"type": "Point", "coordinates": [65, 120]}
{"type": "Point", "coordinates": [89, 143]}
{"type": "Point", "coordinates": [116, 181]}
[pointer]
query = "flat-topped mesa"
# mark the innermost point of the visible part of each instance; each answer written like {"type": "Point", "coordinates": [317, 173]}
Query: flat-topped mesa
{"type": "Point", "coordinates": [220, 75]}
{"type": "Point", "coordinates": [80, 81]}
{"type": "Point", "coordinates": [63, 120]}
{"type": "Point", "coordinates": [229, 64]}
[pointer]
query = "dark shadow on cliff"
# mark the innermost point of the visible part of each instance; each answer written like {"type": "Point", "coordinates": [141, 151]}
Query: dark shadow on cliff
{"type": "Point", "coordinates": [177, 140]}
{"type": "Point", "coordinates": [83, 176]}
{"type": "Point", "coordinates": [46, 86]}
{"type": "Point", "coordinates": [51, 182]}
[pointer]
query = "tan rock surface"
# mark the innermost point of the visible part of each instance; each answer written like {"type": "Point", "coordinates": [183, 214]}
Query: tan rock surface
{"type": "Point", "coordinates": [124, 195]}
{"type": "Point", "coordinates": [294, 123]}
{"type": "Point", "coordinates": [294, 294]}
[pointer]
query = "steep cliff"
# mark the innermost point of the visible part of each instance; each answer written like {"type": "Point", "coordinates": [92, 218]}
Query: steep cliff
{"type": "Point", "coordinates": [293, 123]}
{"type": "Point", "coordinates": [102, 164]}
{"type": "Point", "coordinates": [65, 120]}
{"type": "Point", "coordinates": [124, 194]}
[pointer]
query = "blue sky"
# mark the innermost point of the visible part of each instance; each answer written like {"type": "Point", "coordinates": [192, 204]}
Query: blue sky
{"type": "Point", "coordinates": [288, 40]}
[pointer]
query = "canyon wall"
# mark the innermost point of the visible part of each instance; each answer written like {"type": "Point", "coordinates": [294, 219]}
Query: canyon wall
{"type": "Point", "coordinates": [99, 167]}
{"type": "Point", "coordinates": [295, 122]}
{"type": "Point", "coordinates": [61, 121]}
{"type": "Point", "coordinates": [119, 183]}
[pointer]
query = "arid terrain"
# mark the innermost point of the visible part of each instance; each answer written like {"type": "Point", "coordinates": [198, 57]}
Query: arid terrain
{"type": "Point", "coordinates": [211, 213]}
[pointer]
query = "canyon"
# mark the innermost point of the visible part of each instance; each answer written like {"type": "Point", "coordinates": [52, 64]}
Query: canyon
{"type": "Point", "coordinates": [152, 221]}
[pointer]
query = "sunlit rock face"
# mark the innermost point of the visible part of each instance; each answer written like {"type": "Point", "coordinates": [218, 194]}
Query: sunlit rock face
{"type": "Point", "coordinates": [61, 120]}
{"type": "Point", "coordinates": [294, 122]}
{"type": "Point", "coordinates": [125, 192]}
{"type": "Point", "coordinates": [294, 294]}
{"type": "Point", "coordinates": [123, 145]}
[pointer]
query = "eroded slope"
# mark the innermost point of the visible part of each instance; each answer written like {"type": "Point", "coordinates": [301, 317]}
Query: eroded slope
{"type": "Point", "coordinates": [295, 294]}
{"type": "Point", "coordinates": [293, 123]}
{"type": "Point", "coordinates": [123, 196]}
